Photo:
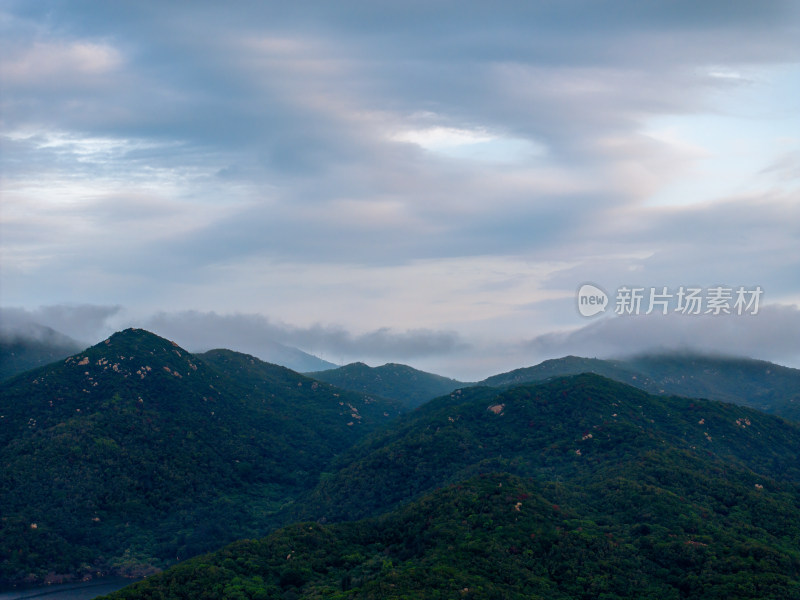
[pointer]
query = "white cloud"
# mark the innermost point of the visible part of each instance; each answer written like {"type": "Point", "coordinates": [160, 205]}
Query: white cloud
{"type": "Point", "coordinates": [51, 63]}
{"type": "Point", "coordinates": [771, 335]}
{"type": "Point", "coordinates": [83, 322]}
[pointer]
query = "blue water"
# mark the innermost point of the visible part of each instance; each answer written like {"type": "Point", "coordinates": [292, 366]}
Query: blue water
{"type": "Point", "coordinates": [69, 591]}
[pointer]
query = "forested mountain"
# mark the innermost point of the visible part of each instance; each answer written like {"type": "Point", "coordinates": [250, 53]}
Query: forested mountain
{"type": "Point", "coordinates": [565, 427]}
{"type": "Point", "coordinates": [579, 487]}
{"type": "Point", "coordinates": [558, 367]}
{"type": "Point", "coordinates": [759, 384]}
{"type": "Point", "coordinates": [755, 383]}
{"type": "Point", "coordinates": [135, 453]}
{"type": "Point", "coordinates": [410, 386]}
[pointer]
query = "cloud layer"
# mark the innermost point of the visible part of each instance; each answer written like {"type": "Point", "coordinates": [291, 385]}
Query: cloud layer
{"type": "Point", "coordinates": [770, 335]}
{"type": "Point", "coordinates": [394, 178]}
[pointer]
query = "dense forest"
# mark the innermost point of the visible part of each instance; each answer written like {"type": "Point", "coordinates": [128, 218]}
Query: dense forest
{"type": "Point", "coordinates": [503, 537]}
{"type": "Point", "coordinates": [137, 457]}
{"type": "Point", "coordinates": [135, 453]}
{"type": "Point", "coordinates": [580, 487]}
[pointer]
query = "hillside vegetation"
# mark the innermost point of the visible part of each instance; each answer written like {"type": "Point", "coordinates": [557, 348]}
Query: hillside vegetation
{"type": "Point", "coordinates": [135, 453]}
{"type": "Point", "coordinates": [577, 488]}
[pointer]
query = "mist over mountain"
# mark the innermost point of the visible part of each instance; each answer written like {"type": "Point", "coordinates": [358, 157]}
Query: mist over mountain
{"type": "Point", "coordinates": [755, 383]}
{"type": "Point", "coordinates": [25, 343]}
{"type": "Point", "coordinates": [25, 346]}
{"type": "Point", "coordinates": [291, 358]}
{"type": "Point", "coordinates": [574, 209]}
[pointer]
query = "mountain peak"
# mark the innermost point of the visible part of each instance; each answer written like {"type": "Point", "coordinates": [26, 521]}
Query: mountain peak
{"type": "Point", "coordinates": [138, 337]}
{"type": "Point", "coordinates": [138, 345]}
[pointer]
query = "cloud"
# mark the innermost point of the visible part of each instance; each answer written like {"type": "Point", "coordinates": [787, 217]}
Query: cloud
{"type": "Point", "coordinates": [167, 158]}
{"type": "Point", "coordinates": [58, 64]}
{"type": "Point", "coordinates": [254, 333]}
{"type": "Point", "coordinates": [86, 323]}
{"type": "Point", "coordinates": [770, 335]}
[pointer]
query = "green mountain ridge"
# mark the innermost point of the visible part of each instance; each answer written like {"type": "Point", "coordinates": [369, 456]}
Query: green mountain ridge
{"type": "Point", "coordinates": [399, 382]}
{"type": "Point", "coordinates": [759, 384]}
{"type": "Point", "coordinates": [562, 427]}
{"type": "Point", "coordinates": [135, 452]}
{"type": "Point", "coordinates": [579, 487]}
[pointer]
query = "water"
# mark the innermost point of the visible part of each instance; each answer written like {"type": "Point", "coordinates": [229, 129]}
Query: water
{"type": "Point", "coordinates": [69, 591]}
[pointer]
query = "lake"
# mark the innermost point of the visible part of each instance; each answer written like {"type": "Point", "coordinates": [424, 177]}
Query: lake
{"type": "Point", "coordinates": [69, 591]}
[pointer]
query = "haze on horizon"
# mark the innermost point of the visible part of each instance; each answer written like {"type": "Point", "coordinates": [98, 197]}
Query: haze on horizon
{"type": "Point", "coordinates": [427, 183]}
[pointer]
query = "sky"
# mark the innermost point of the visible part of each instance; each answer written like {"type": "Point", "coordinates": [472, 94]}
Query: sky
{"type": "Point", "coordinates": [421, 182]}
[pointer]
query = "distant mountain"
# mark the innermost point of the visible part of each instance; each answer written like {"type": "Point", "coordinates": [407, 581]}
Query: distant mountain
{"type": "Point", "coordinates": [580, 487]}
{"type": "Point", "coordinates": [29, 346]}
{"type": "Point", "coordinates": [292, 358]}
{"type": "Point", "coordinates": [759, 384]}
{"type": "Point", "coordinates": [398, 382]}
{"type": "Point", "coordinates": [135, 453]}
{"type": "Point", "coordinates": [558, 367]}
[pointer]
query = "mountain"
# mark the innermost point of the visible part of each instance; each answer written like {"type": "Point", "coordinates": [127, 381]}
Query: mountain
{"type": "Point", "coordinates": [616, 494]}
{"type": "Point", "coordinates": [564, 427]}
{"type": "Point", "coordinates": [759, 384]}
{"type": "Point", "coordinates": [135, 453]}
{"type": "Point", "coordinates": [398, 382]}
{"type": "Point", "coordinates": [29, 346]}
{"type": "Point", "coordinates": [568, 365]}
{"type": "Point", "coordinates": [290, 357]}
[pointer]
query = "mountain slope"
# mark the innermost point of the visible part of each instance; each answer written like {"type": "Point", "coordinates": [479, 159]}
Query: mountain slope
{"type": "Point", "coordinates": [135, 452]}
{"type": "Point", "coordinates": [398, 382]}
{"type": "Point", "coordinates": [623, 495]}
{"type": "Point", "coordinates": [263, 378]}
{"type": "Point", "coordinates": [565, 427]}
{"type": "Point", "coordinates": [755, 383]}
{"type": "Point", "coordinates": [559, 367]}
